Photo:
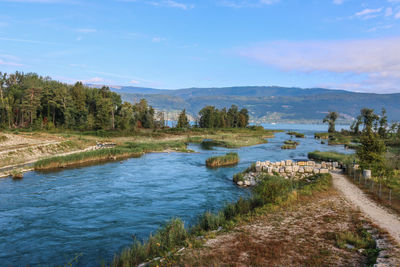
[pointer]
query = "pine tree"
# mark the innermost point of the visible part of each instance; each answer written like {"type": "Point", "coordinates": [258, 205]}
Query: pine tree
{"type": "Point", "coordinates": [183, 121]}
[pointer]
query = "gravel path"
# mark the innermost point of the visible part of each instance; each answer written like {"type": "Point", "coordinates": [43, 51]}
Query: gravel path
{"type": "Point", "coordinates": [379, 215]}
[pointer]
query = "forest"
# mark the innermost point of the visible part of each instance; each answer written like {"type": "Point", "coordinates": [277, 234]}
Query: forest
{"type": "Point", "coordinates": [40, 103]}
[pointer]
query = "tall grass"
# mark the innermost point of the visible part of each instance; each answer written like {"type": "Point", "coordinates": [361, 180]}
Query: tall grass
{"type": "Point", "coordinates": [226, 160]}
{"type": "Point", "coordinates": [123, 151]}
{"type": "Point", "coordinates": [331, 156]}
{"type": "Point", "coordinates": [296, 134]}
{"type": "Point", "coordinates": [272, 190]}
{"type": "Point", "coordinates": [3, 138]}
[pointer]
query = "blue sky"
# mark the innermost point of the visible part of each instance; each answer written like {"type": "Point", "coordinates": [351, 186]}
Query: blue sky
{"type": "Point", "coordinates": [345, 44]}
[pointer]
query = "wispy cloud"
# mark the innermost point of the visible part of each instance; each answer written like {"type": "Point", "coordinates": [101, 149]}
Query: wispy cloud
{"type": "Point", "coordinates": [28, 41]}
{"type": "Point", "coordinates": [368, 13]}
{"type": "Point", "coordinates": [338, 2]}
{"type": "Point", "coordinates": [157, 39]}
{"type": "Point", "coordinates": [9, 60]}
{"type": "Point", "coordinates": [86, 30]}
{"type": "Point", "coordinates": [376, 59]}
{"type": "Point", "coordinates": [42, 1]}
{"type": "Point", "coordinates": [247, 3]}
{"type": "Point", "coordinates": [163, 3]}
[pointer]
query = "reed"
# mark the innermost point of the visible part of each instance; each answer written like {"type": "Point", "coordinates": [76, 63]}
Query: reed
{"type": "Point", "coordinates": [331, 156]}
{"type": "Point", "coordinates": [226, 160]}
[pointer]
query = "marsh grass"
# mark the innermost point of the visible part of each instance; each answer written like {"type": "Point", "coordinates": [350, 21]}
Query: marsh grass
{"type": "Point", "coordinates": [226, 160]}
{"type": "Point", "coordinates": [296, 134]}
{"type": "Point", "coordinates": [331, 156]}
{"type": "Point", "coordinates": [271, 192]}
{"type": "Point", "coordinates": [126, 150]}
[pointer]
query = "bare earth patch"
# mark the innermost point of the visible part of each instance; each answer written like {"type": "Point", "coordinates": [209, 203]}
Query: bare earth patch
{"type": "Point", "coordinates": [304, 234]}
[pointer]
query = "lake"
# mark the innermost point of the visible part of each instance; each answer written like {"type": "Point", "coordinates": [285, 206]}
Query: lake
{"type": "Point", "coordinates": [92, 212]}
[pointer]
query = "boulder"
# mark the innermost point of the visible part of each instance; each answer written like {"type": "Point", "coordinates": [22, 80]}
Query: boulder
{"type": "Point", "coordinates": [323, 171]}
{"type": "Point", "coordinates": [282, 170]}
{"type": "Point", "coordinates": [311, 163]}
{"type": "Point", "coordinates": [318, 166]}
{"type": "Point", "coordinates": [240, 183]}
{"type": "Point", "coordinates": [316, 171]}
{"type": "Point", "coordinates": [269, 169]}
{"type": "Point", "coordinates": [301, 169]}
{"type": "Point", "coordinates": [288, 169]}
{"type": "Point", "coordinates": [283, 163]}
{"type": "Point", "coordinates": [278, 163]}
{"type": "Point", "coordinates": [289, 162]}
{"type": "Point", "coordinates": [247, 183]}
{"type": "Point", "coordinates": [308, 169]}
{"type": "Point", "coordinates": [335, 164]}
{"type": "Point", "coordinates": [296, 168]}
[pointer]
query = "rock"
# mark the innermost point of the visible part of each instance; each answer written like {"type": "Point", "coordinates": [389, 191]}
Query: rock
{"type": "Point", "coordinates": [288, 169]}
{"type": "Point", "coordinates": [316, 171]}
{"type": "Point", "coordinates": [283, 163]}
{"type": "Point", "coordinates": [269, 169]}
{"type": "Point", "coordinates": [258, 168]}
{"type": "Point", "coordinates": [267, 163]}
{"type": "Point", "coordinates": [308, 169]}
{"type": "Point", "coordinates": [282, 170]}
{"type": "Point", "coordinates": [311, 163]}
{"type": "Point", "coordinates": [240, 183]}
{"type": "Point", "coordinates": [296, 168]}
{"type": "Point", "coordinates": [278, 163]}
{"type": "Point", "coordinates": [253, 182]}
{"type": "Point", "coordinates": [323, 171]}
{"type": "Point", "coordinates": [288, 162]}
{"type": "Point", "coordinates": [318, 166]}
{"type": "Point", "coordinates": [348, 246]}
{"type": "Point", "coordinates": [247, 183]}
{"type": "Point", "coordinates": [301, 170]}
{"type": "Point", "coordinates": [335, 164]}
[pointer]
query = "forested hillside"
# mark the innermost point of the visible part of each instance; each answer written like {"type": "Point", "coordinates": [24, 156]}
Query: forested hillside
{"type": "Point", "coordinates": [269, 104]}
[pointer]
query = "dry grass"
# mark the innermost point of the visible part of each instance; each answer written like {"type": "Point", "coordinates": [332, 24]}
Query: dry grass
{"type": "Point", "coordinates": [303, 234]}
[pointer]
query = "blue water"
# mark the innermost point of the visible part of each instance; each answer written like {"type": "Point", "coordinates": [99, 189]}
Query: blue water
{"type": "Point", "coordinates": [92, 212]}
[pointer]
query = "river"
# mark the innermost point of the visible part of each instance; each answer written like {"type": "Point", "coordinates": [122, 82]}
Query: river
{"type": "Point", "coordinates": [91, 213]}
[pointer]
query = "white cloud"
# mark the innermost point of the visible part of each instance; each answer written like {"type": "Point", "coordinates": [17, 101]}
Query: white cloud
{"type": "Point", "coordinates": [383, 27]}
{"type": "Point", "coordinates": [9, 60]}
{"type": "Point", "coordinates": [95, 80]}
{"type": "Point", "coordinates": [397, 16]}
{"type": "Point", "coordinates": [247, 3]}
{"type": "Point", "coordinates": [368, 13]}
{"type": "Point", "coordinates": [157, 39]}
{"type": "Point", "coordinates": [376, 59]}
{"type": "Point", "coordinates": [338, 2]}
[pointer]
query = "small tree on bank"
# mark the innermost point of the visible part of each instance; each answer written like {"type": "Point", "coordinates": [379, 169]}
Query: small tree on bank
{"type": "Point", "coordinates": [331, 119]}
{"type": "Point", "coordinates": [183, 121]}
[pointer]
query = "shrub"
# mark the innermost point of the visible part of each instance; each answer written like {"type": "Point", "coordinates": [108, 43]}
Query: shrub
{"type": "Point", "coordinates": [296, 134]}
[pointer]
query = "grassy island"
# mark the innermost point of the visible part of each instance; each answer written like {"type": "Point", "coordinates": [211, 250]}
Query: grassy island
{"type": "Point", "coordinates": [226, 160]}
{"type": "Point", "coordinates": [290, 144]}
{"type": "Point", "coordinates": [296, 134]}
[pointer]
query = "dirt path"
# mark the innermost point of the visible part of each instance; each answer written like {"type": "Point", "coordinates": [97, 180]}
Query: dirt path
{"type": "Point", "coordinates": [377, 214]}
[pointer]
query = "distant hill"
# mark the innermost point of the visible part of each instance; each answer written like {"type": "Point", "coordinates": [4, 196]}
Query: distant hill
{"type": "Point", "coordinates": [268, 103]}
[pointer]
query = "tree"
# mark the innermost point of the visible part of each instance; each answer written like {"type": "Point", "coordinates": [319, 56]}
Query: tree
{"type": "Point", "coordinates": [183, 121]}
{"type": "Point", "coordinates": [383, 124]}
{"type": "Point", "coordinates": [368, 117]}
{"type": "Point", "coordinates": [331, 119]}
{"type": "Point", "coordinates": [371, 153]}
{"type": "Point", "coordinates": [355, 126]}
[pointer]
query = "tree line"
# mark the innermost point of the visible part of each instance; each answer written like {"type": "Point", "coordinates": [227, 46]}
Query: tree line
{"type": "Point", "coordinates": [36, 102]}
{"type": "Point", "coordinates": [374, 134]}
{"type": "Point", "coordinates": [31, 101]}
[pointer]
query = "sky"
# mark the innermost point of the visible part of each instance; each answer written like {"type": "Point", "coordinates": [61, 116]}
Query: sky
{"type": "Point", "coordinates": [340, 44]}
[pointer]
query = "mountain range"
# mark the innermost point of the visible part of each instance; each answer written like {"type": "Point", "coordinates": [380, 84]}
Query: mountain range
{"type": "Point", "coordinates": [267, 103]}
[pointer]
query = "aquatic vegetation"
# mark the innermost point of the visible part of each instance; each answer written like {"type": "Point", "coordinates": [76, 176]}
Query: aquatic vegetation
{"type": "Point", "coordinates": [290, 144]}
{"type": "Point", "coordinates": [127, 150]}
{"type": "Point", "coordinates": [296, 134]}
{"type": "Point", "coordinates": [331, 156]}
{"type": "Point", "coordinates": [226, 160]}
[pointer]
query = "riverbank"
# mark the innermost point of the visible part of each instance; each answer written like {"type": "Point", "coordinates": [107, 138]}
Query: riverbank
{"type": "Point", "coordinates": [266, 228]}
{"type": "Point", "coordinates": [24, 151]}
